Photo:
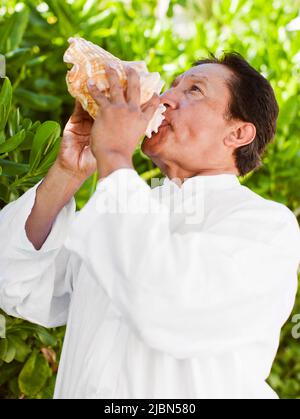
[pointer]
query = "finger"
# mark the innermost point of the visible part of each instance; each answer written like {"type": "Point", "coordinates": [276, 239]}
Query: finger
{"type": "Point", "coordinates": [98, 97]}
{"type": "Point", "coordinates": [155, 98]}
{"type": "Point", "coordinates": [78, 114]}
{"type": "Point", "coordinates": [77, 108]}
{"type": "Point", "coordinates": [116, 90]}
{"type": "Point", "coordinates": [79, 111]}
{"type": "Point", "coordinates": [150, 106]}
{"type": "Point", "coordinates": [133, 93]}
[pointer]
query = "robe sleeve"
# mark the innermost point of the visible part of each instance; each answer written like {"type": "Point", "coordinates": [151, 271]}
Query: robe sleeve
{"type": "Point", "coordinates": [35, 285]}
{"type": "Point", "coordinates": [186, 294]}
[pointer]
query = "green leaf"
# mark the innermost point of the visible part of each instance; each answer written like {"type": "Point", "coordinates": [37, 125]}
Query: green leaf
{"type": "Point", "coordinates": [37, 101]}
{"type": "Point", "coordinates": [2, 133]}
{"type": "Point", "coordinates": [288, 112]}
{"type": "Point", "coordinates": [43, 335]}
{"type": "Point", "coordinates": [18, 57]}
{"type": "Point", "coordinates": [48, 391]}
{"type": "Point", "coordinates": [8, 371]}
{"type": "Point", "coordinates": [14, 121]}
{"type": "Point", "coordinates": [290, 150]}
{"type": "Point", "coordinates": [2, 326]}
{"type": "Point", "coordinates": [13, 142]}
{"type": "Point", "coordinates": [5, 29]}
{"type": "Point", "coordinates": [20, 21]}
{"type": "Point", "coordinates": [27, 143]}
{"type": "Point", "coordinates": [34, 374]}
{"type": "Point", "coordinates": [10, 168]}
{"type": "Point", "coordinates": [3, 192]}
{"type": "Point", "coordinates": [3, 348]}
{"type": "Point", "coordinates": [9, 356]}
{"type": "Point", "coordinates": [5, 102]}
{"type": "Point", "coordinates": [22, 349]}
{"type": "Point", "coordinates": [64, 16]}
{"type": "Point", "coordinates": [50, 158]}
{"type": "Point", "coordinates": [101, 21]}
{"type": "Point", "coordinates": [22, 334]}
{"type": "Point", "coordinates": [35, 126]}
{"type": "Point", "coordinates": [14, 387]}
{"type": "Point", "coordinates": [3, 117]}
{"type": "Point", "coordinates": [16, 53]}
{"type": "Point", "coordinates": [26, 123]}
{"type": "Point", "coordinates": [45, 135]}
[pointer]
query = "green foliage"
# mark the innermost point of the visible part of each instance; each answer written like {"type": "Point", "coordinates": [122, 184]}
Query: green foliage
{"type": "Point", "coordinates": [285, 375]}
{"type": "Point", "coordinates": [35, 105]}
{"type": "Point", "coordinates": [28, 358]}
{"type": "Point", "coordinates": [34, 374]}
{"type": "Point", "coordinates": [27, 150]}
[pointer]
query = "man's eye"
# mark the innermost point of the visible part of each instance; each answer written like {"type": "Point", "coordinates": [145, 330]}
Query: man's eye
{"type": "Point", "coordinates": [194, 86]}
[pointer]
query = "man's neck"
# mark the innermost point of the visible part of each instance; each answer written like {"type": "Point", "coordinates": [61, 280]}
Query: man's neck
{"type": "Point", "coordinates": [180, 175]}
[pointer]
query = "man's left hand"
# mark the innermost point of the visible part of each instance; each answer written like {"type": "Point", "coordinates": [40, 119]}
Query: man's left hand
{"type": "Point", "coordinates": [120, 121]}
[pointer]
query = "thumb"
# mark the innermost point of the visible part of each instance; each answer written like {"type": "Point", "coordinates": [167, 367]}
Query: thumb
{"type": "Point", "coordinates": [150, 106]}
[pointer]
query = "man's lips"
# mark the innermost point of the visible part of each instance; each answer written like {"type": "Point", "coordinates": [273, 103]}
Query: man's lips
{"type": "Point", "coordinates": [165, 123]}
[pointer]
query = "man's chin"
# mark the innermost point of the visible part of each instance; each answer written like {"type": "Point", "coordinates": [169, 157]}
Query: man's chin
{"type": "Point", "coordinates": [151, 146]}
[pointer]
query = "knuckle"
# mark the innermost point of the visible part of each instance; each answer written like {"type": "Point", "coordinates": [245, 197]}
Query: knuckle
{"type": "Point", "coordinates": [133, 108]}
{"type": "Point", "coordinates": [120, 107]}
{"type": "Point", "coordinates": [115, 87]}
{"type": "Point", "coordinates": [105, 109]}
{"type": "Point", "coordinates": [132, 73]}
{"type": "Point", "coordinates": [119, 88]}
{"type": "Point", "coordinates": [113, 73]}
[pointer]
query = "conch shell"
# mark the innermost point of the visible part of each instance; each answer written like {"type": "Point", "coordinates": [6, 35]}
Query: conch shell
{"type": "Point", "coordinates": [88, 62]}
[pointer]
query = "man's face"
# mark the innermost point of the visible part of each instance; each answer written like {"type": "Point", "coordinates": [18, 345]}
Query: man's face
{"type": "Point", "coordinates": [196, 103]}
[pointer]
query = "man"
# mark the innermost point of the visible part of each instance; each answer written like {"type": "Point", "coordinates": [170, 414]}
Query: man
{"type": "Point", "coordinates": [161, 301]}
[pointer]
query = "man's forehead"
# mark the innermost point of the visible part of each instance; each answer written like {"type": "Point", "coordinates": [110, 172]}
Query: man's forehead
{"type": "Point", "coordinates": [211, 73]}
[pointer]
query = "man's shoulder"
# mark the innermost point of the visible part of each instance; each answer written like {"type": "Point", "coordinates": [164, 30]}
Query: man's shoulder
{"type": "Point", "coordinates": [268, 213]}
{"type": "Point", "coordinates": [276, 210]}
{"type": "Point", "coordinates": [246, 214]}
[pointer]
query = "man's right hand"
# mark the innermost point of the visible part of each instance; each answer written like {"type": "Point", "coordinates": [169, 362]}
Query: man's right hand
{"type": "Point", "coordinates": [75, 155]}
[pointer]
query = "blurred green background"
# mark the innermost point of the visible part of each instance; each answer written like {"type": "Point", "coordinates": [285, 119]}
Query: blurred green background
{"type": "Point", "coordinates": [169, 36]}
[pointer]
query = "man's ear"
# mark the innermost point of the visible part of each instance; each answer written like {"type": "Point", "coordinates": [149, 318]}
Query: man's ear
{"type": "Point", "coordinates": [242, 133]}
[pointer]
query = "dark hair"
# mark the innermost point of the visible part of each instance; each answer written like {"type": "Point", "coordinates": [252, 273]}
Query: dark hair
{"type": "Point", "coordinates": [252, 100]}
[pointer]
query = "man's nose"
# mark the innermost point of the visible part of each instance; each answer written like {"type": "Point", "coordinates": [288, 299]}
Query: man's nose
{"type": "Point", "coordinates": [168, 100]}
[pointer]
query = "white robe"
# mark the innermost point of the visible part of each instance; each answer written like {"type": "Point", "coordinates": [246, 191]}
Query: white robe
{"type": "Point", "coordinates": [170, 302]}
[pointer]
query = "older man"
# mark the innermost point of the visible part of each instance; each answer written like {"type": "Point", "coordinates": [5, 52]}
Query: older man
{"type": "Point", "coordinates": [178, 291]}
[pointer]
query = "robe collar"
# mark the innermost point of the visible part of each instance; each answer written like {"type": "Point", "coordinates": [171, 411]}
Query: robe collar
{"type": "Point", "coordinates": [219, 181]}
{"type": "Point", "coordinates": [189, 198]}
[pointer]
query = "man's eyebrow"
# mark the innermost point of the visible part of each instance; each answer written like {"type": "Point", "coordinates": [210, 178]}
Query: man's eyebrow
{"type": "Point", "coordinates": [202, 79]}
{"type": "Point", "coordinates": [175, 81]}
